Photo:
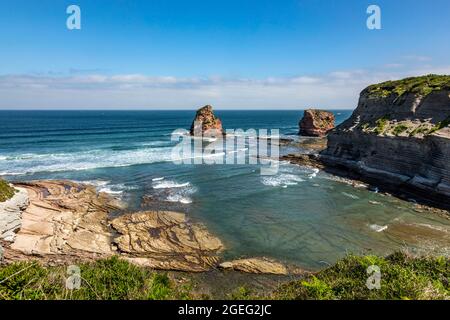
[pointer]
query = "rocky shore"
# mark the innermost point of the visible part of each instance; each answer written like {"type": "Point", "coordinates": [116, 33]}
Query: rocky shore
{"type": "Point", "coordinates": [399, 138]}
{"type": "Point", "coordinates": [11, 214]}
{"type": "Point", "coordinates": [63, 222]}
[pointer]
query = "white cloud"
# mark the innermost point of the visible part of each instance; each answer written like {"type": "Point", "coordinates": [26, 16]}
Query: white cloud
{"type": "Point", "coordinates": [339, 89]}
{"type": "Point", "coordinates": [417, 58]}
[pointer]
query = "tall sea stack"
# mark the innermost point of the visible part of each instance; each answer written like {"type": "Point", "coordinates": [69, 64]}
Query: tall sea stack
{"type": "Point", "coordinates": [207, 120]}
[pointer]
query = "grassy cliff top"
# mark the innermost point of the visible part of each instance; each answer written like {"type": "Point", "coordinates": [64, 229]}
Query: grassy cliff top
{"type": "Point", "coordinates": [423, 86]}
{"type": "Point", "coordinates": [6, 191]}
{"type": "Point", "coordinates": [402, 277]}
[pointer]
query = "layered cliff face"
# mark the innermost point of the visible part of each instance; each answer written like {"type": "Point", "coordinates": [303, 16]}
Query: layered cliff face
{"type": "Point", "coordinates": [316, 123]}
{"type": "Point", "coordinates": [205, 120]}
{"type": "Point", "coordinates": [399, 135]}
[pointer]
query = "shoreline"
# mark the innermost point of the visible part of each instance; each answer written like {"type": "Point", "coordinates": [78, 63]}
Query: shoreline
{"type": "Point", "coordinates": [237, 279]}
{"type": "Point", "coordinates": [66, 222]}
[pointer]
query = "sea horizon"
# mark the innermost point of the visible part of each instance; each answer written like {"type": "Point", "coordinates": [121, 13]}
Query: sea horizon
{"type": "Point", "coordinates": [193, 109]}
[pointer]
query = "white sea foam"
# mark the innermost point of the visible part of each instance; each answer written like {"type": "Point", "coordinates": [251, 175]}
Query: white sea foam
{"type": "Point", "coordinates": [158, 179]}
{"type": "Point", "coordinates": [83, 160]}
{"type": "Point", "coordinates": [179, 198]}
{"type": "Point", "coordinates": [170, 184]}
{"type": "Point", "coordinates": [314, 174]}
{"type": "Point", "coordinates": [284, 180]}
{"type": "Point", "coordinates": [110, 191]}
{"type": "Point", "coordinates": [107, 187]}
{"type": "Point", "coordinates": [352, 196]}
{"type": "Point", "coordinates": [377, 228]}
{"type": "Point", "coordinates": [175, 191]}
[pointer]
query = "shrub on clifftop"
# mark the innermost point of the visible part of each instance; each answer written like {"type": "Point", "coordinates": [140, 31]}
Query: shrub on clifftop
{"type": "Point", "coordinates": [6, 191]}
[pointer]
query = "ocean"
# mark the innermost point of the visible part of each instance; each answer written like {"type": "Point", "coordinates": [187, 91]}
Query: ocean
{"type": "Point", "coordinates": [298, 216]}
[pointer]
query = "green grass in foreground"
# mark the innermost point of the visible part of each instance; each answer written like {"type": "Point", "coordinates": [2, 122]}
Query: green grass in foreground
{"type": "Point", "coordinates": [110, 279]}
{"type": "Point", "coordinates": [402, 277]}
{"type": "Point", "coordinates": [6, 191]}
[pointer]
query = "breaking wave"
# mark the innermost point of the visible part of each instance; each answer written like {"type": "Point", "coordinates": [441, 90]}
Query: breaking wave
{"type": "Point", "coordinates": [83, 160]}
{"type": "Point", "coordinates": [170, 184]}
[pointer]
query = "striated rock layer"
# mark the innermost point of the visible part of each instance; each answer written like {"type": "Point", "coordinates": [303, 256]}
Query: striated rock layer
{"type": "Point", "coordinates": [62, 221]}
{"type": "Point", "coordinates": [205, 120]}
{"type": "Point", "coordinates": [398, 138]}
{"type": "Point", "coordinates": [65, 218]}
{"type": "Point", "coordinates": [316, 123]}
{"type": "Point", "coordinates": [166, 240]}
{"type": "Point", "coordinates": [11, 214]}
{"type": "Point", "coordinates": [261, 265]}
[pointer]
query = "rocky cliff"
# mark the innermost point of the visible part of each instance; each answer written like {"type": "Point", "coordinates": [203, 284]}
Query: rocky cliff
{"type": "Point", "coordinates": [316, 123]}
{"type": "Point", "coordinates": [399, 136]}
{"type": "Point", "coordinates": [205, 120]}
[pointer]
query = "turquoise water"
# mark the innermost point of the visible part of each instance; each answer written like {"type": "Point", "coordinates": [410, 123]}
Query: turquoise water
{"type": "Point", "coordinates": [297, 215]}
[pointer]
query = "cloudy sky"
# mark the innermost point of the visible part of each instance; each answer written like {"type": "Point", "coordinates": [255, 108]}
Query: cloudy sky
{"type": "Point", "coordinates": [231, 54]}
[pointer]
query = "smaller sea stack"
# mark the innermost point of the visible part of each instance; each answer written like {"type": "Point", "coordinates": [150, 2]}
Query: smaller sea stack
{"type": "Point", "coordinates": [316, 123]}
{"type": "Point", "coordinates": [207, 120]}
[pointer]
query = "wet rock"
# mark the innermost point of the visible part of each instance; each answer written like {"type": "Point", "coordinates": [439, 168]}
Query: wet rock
{"type": "Point", "coordinates": [308, 160]}
{"type": "Point", "coordinates": [166, 240]}
{"type": "Point", "coordinates": [206, 120]}
{"type": "Point", "coordinates": [316, 123]}
{"type": "Point", "coordinates": [260, 266]}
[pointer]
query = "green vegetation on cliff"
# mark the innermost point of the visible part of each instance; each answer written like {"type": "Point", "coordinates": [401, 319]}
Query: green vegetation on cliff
{"type": "Point", "coordinates": [402, 277]}
{"type": "Point", "coordinates": [400, 129]}
{"type": "Point", "coordinates": [441, 125]}
{"type": "Point", "coordinates": [381, 124]}
{"type": "Point", "coordinates": [6, 191]}
{"type": "Point", "coordinates": [423, 86]}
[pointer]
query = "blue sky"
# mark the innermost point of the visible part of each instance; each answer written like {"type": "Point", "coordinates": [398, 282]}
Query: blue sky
{"type": "Point", "coordinates": [234, 54]}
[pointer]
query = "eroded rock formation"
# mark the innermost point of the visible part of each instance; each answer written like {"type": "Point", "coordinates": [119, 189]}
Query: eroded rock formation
{"type": "Point", "coordinates": [65, 218]}
{"type": "Point", "coordinates": [399, 135]}
{"type": "Point", "coordinates": [316, 123]}
{"type": "Point", "coordinates": [62, 222]}
{"type": "Point", "coordinates": [166, 240]}
{"type": "Point", "coordinates": [205, 120]}
{"type": "Point", "coordinates": [260, 266]}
